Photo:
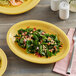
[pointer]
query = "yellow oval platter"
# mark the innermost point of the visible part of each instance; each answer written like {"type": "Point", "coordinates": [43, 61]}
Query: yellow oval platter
{"type": "Point", "coordinates": [3, 63]}
{"type": "Point", "coordinates": [26, 6]}
{"type": "Point", "coordinates": [45, 26]}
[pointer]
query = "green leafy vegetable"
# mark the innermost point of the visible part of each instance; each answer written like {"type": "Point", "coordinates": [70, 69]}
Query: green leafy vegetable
{"type": "Point", "coordinates": [38, 42]}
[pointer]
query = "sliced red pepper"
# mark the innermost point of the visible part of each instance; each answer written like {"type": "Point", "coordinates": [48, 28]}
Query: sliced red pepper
{"type": "Point", "coordinates": [43, 33]}
{"type": "Point", "coordinates": [34, 29]}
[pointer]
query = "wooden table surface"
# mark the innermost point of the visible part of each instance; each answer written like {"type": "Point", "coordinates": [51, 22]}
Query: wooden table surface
{"type": "Point", "coordinates": [17, 66]}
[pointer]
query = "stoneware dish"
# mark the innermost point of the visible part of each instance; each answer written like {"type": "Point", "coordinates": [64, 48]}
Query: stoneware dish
{"type": "Point", "coordinates": [26, 6]}
{"type": "Point", "coordinates": [3, 62]}
{"type": "Point", "coordinates": [45, 26]}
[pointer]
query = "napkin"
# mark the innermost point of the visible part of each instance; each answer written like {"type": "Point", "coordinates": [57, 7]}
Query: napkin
{"type": "Point", "coordinates": [61, 66]}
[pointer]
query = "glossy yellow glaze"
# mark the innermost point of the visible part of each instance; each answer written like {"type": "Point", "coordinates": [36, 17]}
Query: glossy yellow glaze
{"type": "Point", "coordinates": [26, 6]}
{"type": "Point", "coordinates": [3, 63]}
{"type": "Point", "coordinates": [45, 26]}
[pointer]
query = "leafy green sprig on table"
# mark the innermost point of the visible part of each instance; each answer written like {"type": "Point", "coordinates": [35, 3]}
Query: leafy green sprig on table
{"type": "Point", "coordinates": [71, 1]}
